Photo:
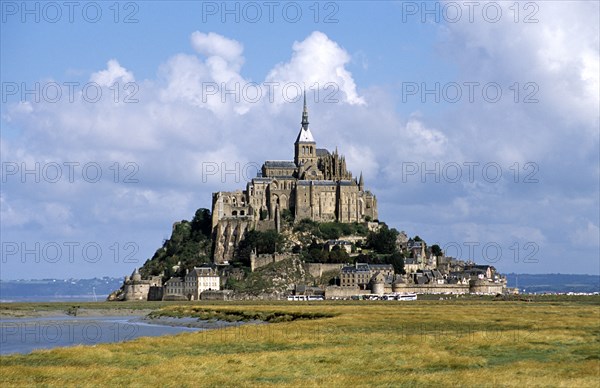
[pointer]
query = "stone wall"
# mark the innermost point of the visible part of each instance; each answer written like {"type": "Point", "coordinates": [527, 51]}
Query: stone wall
{"type": "Point", "coordinates": [155, 293]}
{"type": "Point", "coordinates": [483, 287]}
{"type": "Point", "coordinates": [318, 269]}
{"type": "Point", "coordinates": [333, 292]}
{"type": "Point", "coordinates": [267, 258]}
{"type": "Point", "coordinates": [136, 291]}
{"type": "Point", "coordinates": [216, 295]}
{"type": "Point", "coordinates": [265, 225]}
{"type": "Point", "coordinates": [432, 288]}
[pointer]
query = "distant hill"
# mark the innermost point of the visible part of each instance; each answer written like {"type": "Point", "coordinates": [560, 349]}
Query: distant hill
{"type": "Point", "coordinates": [57, 289]}
{"type": "Point", "coordinates": [554, 282]}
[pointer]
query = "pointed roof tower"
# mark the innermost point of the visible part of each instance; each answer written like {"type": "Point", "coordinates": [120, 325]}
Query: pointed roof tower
{"type": "Point", "coordinates": [361, 182]}
{"type": "Point", "coordinates": [305, 136]}
{"type": "Point", "coordinates": [305, 114]}
{"type": "Point", "coordinates": [305, 147]}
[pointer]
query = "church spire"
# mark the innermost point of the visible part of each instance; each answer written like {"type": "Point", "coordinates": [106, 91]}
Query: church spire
{"type": "Point", "coordinates": [361, 182]}
{"type": "Point", "coordinates": [305, 114]}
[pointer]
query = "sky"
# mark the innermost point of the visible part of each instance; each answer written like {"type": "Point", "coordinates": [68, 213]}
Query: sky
{"type": "Point", "coordinates": [476, 124]}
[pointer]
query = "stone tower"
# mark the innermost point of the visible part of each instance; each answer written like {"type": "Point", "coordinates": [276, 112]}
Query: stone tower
{"type": "Point", "coordinates": [305, 147]}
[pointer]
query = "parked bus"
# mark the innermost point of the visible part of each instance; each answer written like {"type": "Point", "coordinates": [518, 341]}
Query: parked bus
{"type": "Point", "coordinates": [409, 296]}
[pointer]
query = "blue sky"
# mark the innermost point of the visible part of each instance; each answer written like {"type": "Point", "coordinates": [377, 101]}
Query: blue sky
{"type": "Point", "coordinates": [475, 130]}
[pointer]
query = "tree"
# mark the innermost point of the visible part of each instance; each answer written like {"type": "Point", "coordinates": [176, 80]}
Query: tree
{"type": "Point", "coordinates": [396, 259]}
{"type": "Point", "coordinates": [287, 216]}
{"type": "Point", "coordinates": [436, 250]}
{"type": "Point", "coordinates": [264, 214]}
{"type": "Point", "coordinates": [364, 258]}
{"type": "Point", "coordinates": [338, 255]}
{"type": "Point", "coordinates": [383, 241]}
{"type": "Point", "coordinates": [269, 242]}
{"type": "Point", "coordinates": [306, 225]}
{"type": "Point", "coordinates": [190, 243]}
{"type": "Point", "coordinates": [330, 230]}
{"type": "Point", "coordinates": [263, 242]}
{"type": "Point", "coordinates": [202, 222]}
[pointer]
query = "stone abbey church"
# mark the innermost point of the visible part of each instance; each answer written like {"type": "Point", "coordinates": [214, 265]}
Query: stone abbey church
{"type": "Point", "coordinates": [315, 185]}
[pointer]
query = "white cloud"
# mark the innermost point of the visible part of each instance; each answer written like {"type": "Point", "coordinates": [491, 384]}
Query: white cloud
{"type": "Point", "coordinates": [559, 53]}
{"type": "Point", "coordinates": [427, 142]}
{"type": "Point", "coordinates": [360, 158]}
{"type": "Point", "coordinates": [218, 46]}
{"type": "Point", "coordinates": [113, 73]}
{"type": "Point", "coordinates": [317, 60]}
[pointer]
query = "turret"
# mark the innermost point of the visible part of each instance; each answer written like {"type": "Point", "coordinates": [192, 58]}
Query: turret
{"type": "Point", "coordinates": [135, 276]}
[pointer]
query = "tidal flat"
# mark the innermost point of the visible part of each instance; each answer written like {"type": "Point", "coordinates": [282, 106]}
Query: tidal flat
{"type": "Point", "coordinates": [467, 342]}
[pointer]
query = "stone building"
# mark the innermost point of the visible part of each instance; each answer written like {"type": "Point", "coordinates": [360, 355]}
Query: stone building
{"type": "Point", "coordinates": [361, 275]}
{"type": "Point", "coordinates": [358, 275]}
{"type": "Point", "coordinates": [136, 288]}
{"type": "Point", "coordinates": [315, 185]}
{"type": "Point", "coordinates": [174, 287]}
{"type": "Point", "coordinates": [196, 281]}
{"type": "Point", "coordinates": [341, 244]}
{"type": "Point", "coordinates": [199, 280]}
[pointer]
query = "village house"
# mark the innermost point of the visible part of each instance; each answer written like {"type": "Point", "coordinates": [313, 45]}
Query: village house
{"type": "Point", "coordinates": [199, 280]}
{"type": "Point", "coordinates": [195, 282]}
{"type": "Point", "coordinates": [342, 244]}
{"type": "Point", "coordinates": [361, 274]}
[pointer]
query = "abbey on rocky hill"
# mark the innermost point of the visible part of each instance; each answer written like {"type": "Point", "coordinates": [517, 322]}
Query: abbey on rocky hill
{"type": "Point", "coordinates": [316, 185]}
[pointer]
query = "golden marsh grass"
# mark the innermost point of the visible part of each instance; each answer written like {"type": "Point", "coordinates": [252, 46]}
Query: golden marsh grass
{"type": "Point", "coordinates": [424, 343]}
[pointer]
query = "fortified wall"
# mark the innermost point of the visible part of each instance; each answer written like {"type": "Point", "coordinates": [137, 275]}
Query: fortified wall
{"type": "Point", "coordinates": [264, 259]}
{"type": "Point", "coordinates": [431, 288]}
{"type": "Point", "coordinates": [318, 269]}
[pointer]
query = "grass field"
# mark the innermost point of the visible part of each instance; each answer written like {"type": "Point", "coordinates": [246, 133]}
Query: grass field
{"type": "Point", "coordinates": [544, 343]}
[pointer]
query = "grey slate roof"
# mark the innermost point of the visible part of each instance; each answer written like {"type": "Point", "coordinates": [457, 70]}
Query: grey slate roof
{"type": "Point", "coordinates": [280, 164]}
{"type": "Point", "coordinates": [202, 271]}
{"type": "Point", "coordinates": [381, 267]}
{"type": "Point", "coordinates": [262, 180]}
{"type": "Point", "coordinates": [317, 183]}
{"type": "Point", "coordinates": [410, 260]}
{"type": "Point", "coordinates": [322, 152]}
{"type": "Point", "coordinates": [358, 268]}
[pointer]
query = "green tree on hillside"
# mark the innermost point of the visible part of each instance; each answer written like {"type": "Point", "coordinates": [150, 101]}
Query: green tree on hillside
{"type": "Point", "coordinates": [436, 250]}
{"type": "Point", "coordinates": [190, 243]}
{"type": "Point", "coordinates": [397, 260]}
{"type": "Point", "coordinates": [383, 241]}
{"type": "Point", "coordinates": [263, 242]}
